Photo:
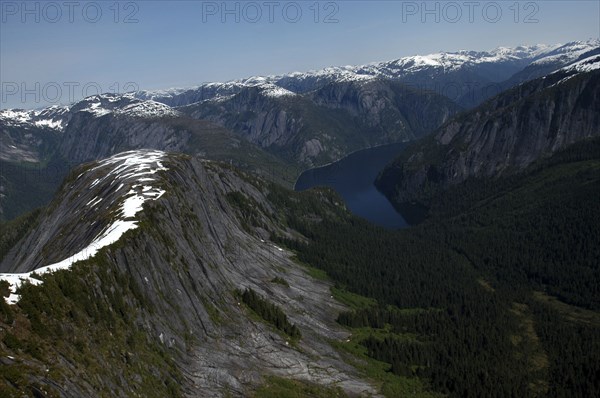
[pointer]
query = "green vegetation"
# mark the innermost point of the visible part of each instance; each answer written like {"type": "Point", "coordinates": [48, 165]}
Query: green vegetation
{"type": "Point", "coordinates": [352, 300]}
{"type": "Point", "coordinates": [316, 273]}
{"type": "Point", "coordinates": [277, 387]}
{"type": "Point", "coordinates": [29, 185]}
{"type": "Point", "coordinates": [14, 230]}
{"type": "Point", "coordinates": [250, 210]}
{"type": "Point", "coordinates": [79, 315]}
{"type": "Point", "coordinates": [390, 385]}
{"type": "Point", "coordinates": [217, 143]}
{"type": "Point", "coordinates": [269, 312]}
{"type": "Point", "coordinates": [280, 281]}
{"type": "Point", "coordinates": [534, 231]}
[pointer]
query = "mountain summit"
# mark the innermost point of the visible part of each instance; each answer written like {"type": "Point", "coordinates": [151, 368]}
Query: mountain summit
{"type": "Point", "coordinates": [181, 237]}
{"type": "Point", "coordinates": [432, 71]}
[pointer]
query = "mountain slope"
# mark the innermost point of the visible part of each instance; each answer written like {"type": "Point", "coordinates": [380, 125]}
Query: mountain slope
{"type": "Point", "coordinates": [30, 170]}
{"type": "Point", "coordinates": [457, 307]}
{"type": "Point", "coordinates": [530, 244]}
{"type": "Point", "coordinates": [324, 125]}
{"type": "Point", "coordinates": [156, 245]}
{"type": "Point", "coordinates": [504, 135]}
{"type": "Point", "coordinates": [555, 60]}
{"type": "Point", "coordinates": [273, 125]}
{"type": "Point", "coordinates": [37, 154]}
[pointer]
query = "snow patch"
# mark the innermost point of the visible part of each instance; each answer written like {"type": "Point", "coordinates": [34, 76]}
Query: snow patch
{"type": "Point", "coordinates": [53, 117]}
{"type": "Point", "coordinates": [53, 124]}
{"type": "Point", "coordinates": [274, 91]}
{"type": "Point", "coordinates": [586, 65]}
{"type": "Point", "coordinates": [127, 167]}
{"type": "Point", "coordinates": [96, 109]}
{"type": "Point", "coordinates": [149, 109]}
{"type": "Point", "coordinates": [589, 64]}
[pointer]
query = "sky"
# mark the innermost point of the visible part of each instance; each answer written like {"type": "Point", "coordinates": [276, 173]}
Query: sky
{"type": "Point", "coordinates": [59, 51]}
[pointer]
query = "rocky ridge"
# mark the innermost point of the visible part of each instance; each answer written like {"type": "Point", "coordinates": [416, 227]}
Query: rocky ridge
{"type": "Point", "coordinates": [504, 135]}
{"type": "Point", "coordinates": [188, 248]}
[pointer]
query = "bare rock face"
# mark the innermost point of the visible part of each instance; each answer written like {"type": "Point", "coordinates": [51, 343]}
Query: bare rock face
{"type": "Point", "coordinates": [189, 248]}
{"type": "Point", "coordinates": [388, 106]}
{"type": "Point", "coordinates": [343, 116]}
{"type": "Point", "coordinates": [504, 135]}
{"type": "Point", "coordinates": [56, 139]}
{"type": "Point", "coordinates": [311, 149]}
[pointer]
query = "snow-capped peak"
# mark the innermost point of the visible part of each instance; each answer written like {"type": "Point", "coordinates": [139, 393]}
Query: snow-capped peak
{"type": "Point", "coordinates": [148, 109]}
{"type": "Point", "coordinates": [54, 117]}
{"type": "Point", "coordinates": [588, 64]}
{"type": "Point", "coordinates": [132, 177]}
{"type": "Point", "coordinates": [402, 68]}
{"type": "Point", "coordinates": [567, 53]}
{"type": "Point", "coordinates": [273, 91]}
{"type": "Point", "coordinates": [124, 104]}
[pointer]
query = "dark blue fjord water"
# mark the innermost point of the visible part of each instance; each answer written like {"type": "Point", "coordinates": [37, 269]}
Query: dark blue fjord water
{"type": "Point", "coordinates": [353, 178]}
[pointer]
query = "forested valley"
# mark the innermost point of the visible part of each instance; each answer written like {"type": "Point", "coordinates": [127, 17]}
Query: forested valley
{"type": "Point", "coordinates": [495, 294]}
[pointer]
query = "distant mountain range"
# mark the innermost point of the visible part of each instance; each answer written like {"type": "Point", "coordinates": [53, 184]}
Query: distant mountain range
{"type": "Point", "coordinates": [502, 136]}
{"type": "Point", "coordinates": [167, 259]}
{"type": "Point", "coordinates": [274, 125]}
{"type": "Point", "coordinates": [463, 75]}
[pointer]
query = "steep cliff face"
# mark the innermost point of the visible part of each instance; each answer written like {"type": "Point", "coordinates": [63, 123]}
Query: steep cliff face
{"type": "Point", "coordinates": [39, 147]}
{"type": "Point", "coordinates": [174, 237]}
{"type": "Point", "coordinates": [30, 172]}
{"type": "Point", "coordinates": [504, 135]}
{"type": "Point", "coordinates": [264, 124]}
{"type": "Point", "coordinates": [258, 113]}
{"type": "Point", "coordinates": [255, 125]}
{"type": "Point", "coordinates": [321, 126]}
{"type": "Point", "coordinates": [390, 107]}
{"type": "Point", "coordinates": [553, 61]}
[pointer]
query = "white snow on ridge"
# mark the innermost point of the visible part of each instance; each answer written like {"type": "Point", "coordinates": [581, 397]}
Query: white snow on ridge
{"type": "Point", "coordinates": [16, 115]}
{"type": "Point", "coordinates": [96, 110]}
{"type": "Point", "coordinates": [452, 61]}
{"type": "Point", "coordinates": [136, 107]}
{"type": "Point", "coordinates": [53, 124]}
{"type": "Point", "coordinates": [148, 108]}
{"type": "Point", "coordinates": [112, 234]}
{"type": "Point", "coordinates": [128, 167]}
{"type": "Point", "coordinates": [133, 164]}
{"type": "Point", "coordinates": [154, 94]}
{"type": "Point", "coordinates": [94, 201]}
{"type": "Point", "coordinates": [586, 65]}
{"type": "Point", "coordinates": [52, 117]}
{"type": "Point", "coordinates": [271, 90]}
{"type": "Point", "coordinates": [444, 61]}
{"type": "Point", "coordinates": [567, 53]}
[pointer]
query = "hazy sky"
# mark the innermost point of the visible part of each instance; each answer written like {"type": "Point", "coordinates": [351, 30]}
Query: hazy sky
{"type": "Point", "coordinates": [59, 51]}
